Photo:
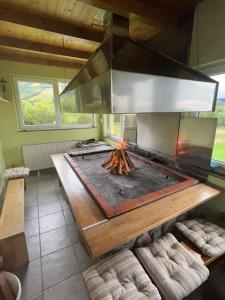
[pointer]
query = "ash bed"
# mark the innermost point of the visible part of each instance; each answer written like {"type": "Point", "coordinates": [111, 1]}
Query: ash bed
{"type": "Point", "coordinates": [116, 194]}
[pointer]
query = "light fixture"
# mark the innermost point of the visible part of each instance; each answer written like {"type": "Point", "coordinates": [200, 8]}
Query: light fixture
{"type": "Point", "coordinates": [2, 90]}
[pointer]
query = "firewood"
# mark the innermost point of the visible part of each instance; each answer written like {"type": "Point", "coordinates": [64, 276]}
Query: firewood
{"type": "Point", "coordinates": [125, 161]}
{"type": "Point", "coordinates": [129, 161]}
{"type": "Point", "coordinates": [119, 161]}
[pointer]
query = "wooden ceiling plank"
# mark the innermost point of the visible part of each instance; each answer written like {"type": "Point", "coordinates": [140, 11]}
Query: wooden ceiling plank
{"type": "Point", "coordinates": [42, 47]}
{"type": "Point", "coordinates": [38, 60]}
{"type": "Point", "coordinates": [49, 24]}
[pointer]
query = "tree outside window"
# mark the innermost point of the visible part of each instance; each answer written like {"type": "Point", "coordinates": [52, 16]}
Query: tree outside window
{"type": "Point", "coordinates": [219, 145]}
{"type": "Point", "coordinates": [39, 107]}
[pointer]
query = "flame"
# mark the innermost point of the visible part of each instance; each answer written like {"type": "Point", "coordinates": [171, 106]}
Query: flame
{"type": "Point", "coordinates": [121, 145]}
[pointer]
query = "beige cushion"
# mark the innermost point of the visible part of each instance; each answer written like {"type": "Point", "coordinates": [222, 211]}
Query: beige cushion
{"type": "Point", "coordinates": [16, 172]}
{"type": "Point", "coordinates": [119, 277]}
{"type": "Point", "coordinates": [175, 271]}
{"type": "Point", "coordinates": [208, 237]}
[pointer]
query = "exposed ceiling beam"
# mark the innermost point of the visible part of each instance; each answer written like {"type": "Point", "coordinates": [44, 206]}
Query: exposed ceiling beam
{"type": "Point", "coordinates": [150, 12]}
{"type": "Point", "coordinates": [38, 60]}
{"type": "Point", "coordinates": [49, 24]}
{"type": "Point", "coordinates": [42, 47]}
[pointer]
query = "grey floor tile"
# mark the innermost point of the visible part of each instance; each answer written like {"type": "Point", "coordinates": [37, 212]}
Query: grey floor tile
{"type": "Point", "coordinates": [68, 216]}
{"type": "Point", "coordinates": [51, 222]}
{"type": "Point", "coordinates": [31, 179]}
{"type": "Point", "coordinates": [59, 266]}
{"type": "Point", "coordinates": [71, 289]}
{"type": "Point", "coordinates": [54, 240]}
{"type": "Point", "coordinates": [31, 228]}
{"type": "Point", "coordinates": [31, 189]}
{"type": "Point", "coordinates": [64, 204]}
{"type": "Point", "coordinates": [30, 212]}
{"type": "Point", "coordinates": [38, 297]}
{"type": "Point", "coordinates": [49, 208]}
{"type": "Point", "coordinates": [47, 178]}
{"type": "Point", "coordinates": [30, 200]}
{"type": "Point", "coordinates": [47, 197]}
{"type": "Point", "coordinates": [46, 188]}
{"type": "Point", "coordinates": [74, 233]}
{"type": "Point", "coordinates": [85, 261]}
{"type": "Point", "coordinates": [61, 194]}
{"type": "Point", "coordinates": [30, 277]}
{"type": "Point", "coordinates": [33, 246]}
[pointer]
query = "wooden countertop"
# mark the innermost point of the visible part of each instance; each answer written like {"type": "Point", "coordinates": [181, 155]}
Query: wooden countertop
{"type": "Point", "coordinates": [102, 235]}
{"type": "Point", "coordinates": [85, 211]}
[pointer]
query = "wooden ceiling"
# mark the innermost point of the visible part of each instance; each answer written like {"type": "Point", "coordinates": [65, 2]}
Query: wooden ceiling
{"type": "Point", "coordinates": [66, 32]}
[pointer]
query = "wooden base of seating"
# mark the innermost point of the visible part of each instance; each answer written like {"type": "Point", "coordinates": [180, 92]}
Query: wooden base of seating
{"type": "Point", "coordinates": [191, 247]}
{"type": "Point", "coordinates": [13, 246]}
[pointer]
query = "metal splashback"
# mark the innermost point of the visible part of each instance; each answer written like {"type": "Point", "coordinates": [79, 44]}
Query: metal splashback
{"type": "Point", "coordinates": [158, 132]}
{"type": "Point", "coordinates": [195, 141]}
{"type": "Point", "coordinates": [124, 76]}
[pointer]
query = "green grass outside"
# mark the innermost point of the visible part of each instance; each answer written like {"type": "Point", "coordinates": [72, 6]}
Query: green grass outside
{"type": "Point", "coordinates": [219, 152]}
{"type": "Point", "coordinates": [219, 146]}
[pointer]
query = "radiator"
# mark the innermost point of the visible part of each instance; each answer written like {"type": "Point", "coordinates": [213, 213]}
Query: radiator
{"type": "Point", "coordinates": [37, 157]}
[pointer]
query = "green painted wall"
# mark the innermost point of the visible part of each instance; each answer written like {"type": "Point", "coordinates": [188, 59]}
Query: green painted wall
{"type": "Point", "coordinates": [2, 165]}
{"type": "Point", "coordinates": [11, 136]}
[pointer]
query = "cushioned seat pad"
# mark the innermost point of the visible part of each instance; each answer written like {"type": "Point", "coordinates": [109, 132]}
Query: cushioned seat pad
{"type": "Point", "coordinates": [208, 237]}
{"type": "Point", "coordinates": [16, 172]}
{"type": "Point", "coordinates": [119, 277]}
{"type": "Point", "coordinates": [175, 271]}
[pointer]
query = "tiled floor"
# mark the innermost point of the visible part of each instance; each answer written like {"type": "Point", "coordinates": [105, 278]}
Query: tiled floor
{"type": "Point", "coordinates": [56, 255]}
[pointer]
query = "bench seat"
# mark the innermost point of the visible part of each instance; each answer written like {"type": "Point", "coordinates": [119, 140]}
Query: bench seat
{"type": "Point", "coordinates": [119, 277]}
{"type": "Point", "coordinates": [174, 270]}
{"type": "Point", "coordinates": [208, 237]}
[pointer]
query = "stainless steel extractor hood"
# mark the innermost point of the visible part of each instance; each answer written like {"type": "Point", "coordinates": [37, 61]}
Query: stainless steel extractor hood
{"type": "Point", "coordinates": [124, 76]}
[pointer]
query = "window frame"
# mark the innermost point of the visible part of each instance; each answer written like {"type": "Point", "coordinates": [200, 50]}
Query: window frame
{"type": "Point", "coordinates": [214, 71]}
{"type": "Point", "coordinates": [58, 117]}
{"type": "Point", "coordinates": [122, 120]}
{"type": "Point", "coordinates": [109, 133]}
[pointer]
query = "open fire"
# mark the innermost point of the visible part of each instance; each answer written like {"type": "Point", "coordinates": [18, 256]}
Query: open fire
{"type": "Point", "coordinates": [119, 161]}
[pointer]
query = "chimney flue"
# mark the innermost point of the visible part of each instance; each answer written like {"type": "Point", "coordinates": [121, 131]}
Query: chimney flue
{"type": "Point", "coordinates": [115, 24]}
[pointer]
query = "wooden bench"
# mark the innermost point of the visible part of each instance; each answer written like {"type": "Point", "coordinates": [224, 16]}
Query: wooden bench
{"type": "Point", "coordinates": [13, 246]}
{"type": "Point", "coordinates": [207, 259]}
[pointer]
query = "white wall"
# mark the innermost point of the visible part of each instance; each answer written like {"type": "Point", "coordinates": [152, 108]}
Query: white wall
{"type": "Point", "coordinates": [208, 39]}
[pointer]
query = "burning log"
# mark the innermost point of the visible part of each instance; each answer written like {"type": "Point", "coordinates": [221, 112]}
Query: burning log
{"type": "Point", "coordinates": [119, 161]}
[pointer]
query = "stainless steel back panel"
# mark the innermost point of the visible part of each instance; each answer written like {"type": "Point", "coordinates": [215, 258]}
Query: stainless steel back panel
{"type": "Point", "coordinates": [196, 141]}
{"type": "Point", "coordinates": [158, 132]}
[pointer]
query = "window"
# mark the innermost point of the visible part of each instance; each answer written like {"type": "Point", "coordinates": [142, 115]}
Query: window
{"type": "Point", "coordinates": [115, 125]}
{"type": "Point", "coordinates": [39, 107]}
{"type": "Point", "coordinates": [219, 145]}
{"type": "Point", "coordinates": [122, 126]}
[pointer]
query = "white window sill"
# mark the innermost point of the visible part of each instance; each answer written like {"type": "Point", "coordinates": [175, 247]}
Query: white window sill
{"type": "Point", "coordinates": [56, 128]}
{"type": "Point", "coordinates": [114, 138]}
